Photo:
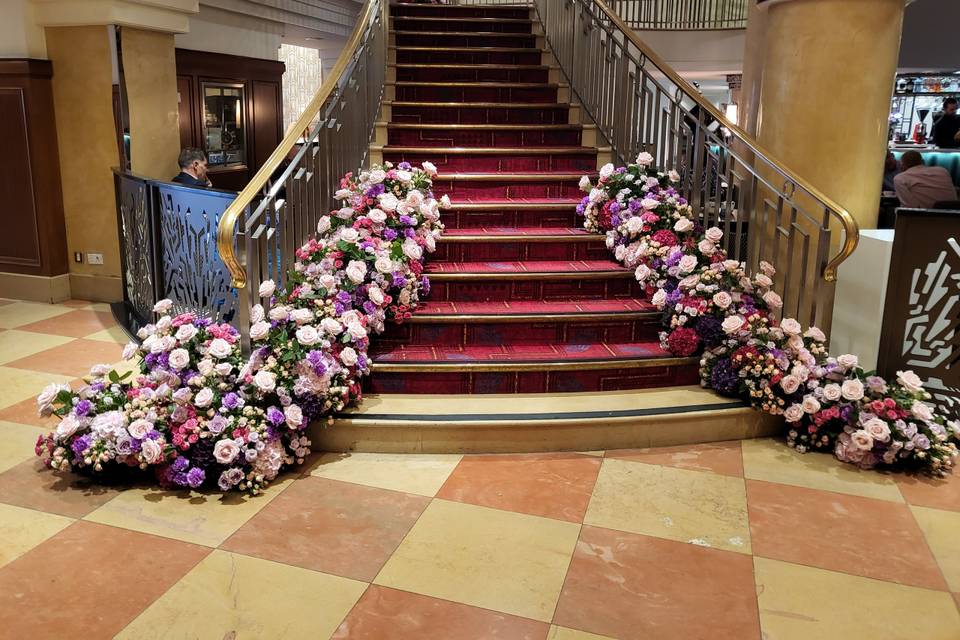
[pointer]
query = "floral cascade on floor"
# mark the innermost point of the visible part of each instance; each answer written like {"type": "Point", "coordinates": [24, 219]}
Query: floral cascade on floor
{"type": "Point", "coordinates": [712, 306]}
{"type": "Point", "coordinates": [199, 414]}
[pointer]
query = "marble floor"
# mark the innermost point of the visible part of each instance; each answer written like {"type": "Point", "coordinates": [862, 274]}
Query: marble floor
{"type": "Point", "coordinates": [739, 541]}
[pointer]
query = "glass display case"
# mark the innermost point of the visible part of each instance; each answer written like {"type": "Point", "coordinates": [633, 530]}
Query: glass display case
{"type": "Point", "coordinates": [224, 124]}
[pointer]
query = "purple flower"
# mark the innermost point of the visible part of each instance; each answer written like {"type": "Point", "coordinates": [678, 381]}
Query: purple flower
{"type": "Point", "coordinates": [723, 377]}
{"type": "Point", "coordinates": [409, 233]}
{"type": "Point", "coordinates": [921, 441]}
{"type": "Point", "coordinates": [635, 205]}
{"type": "Point", "coordinates": [390, 234]}
{"type": "Point", "coordinates": [275, 416]}
{"type": "Point", "coordinates": [180, 464]}
{"type": "Point", "coordinates": [80, 445]}
{"type": "Point", "coordinates": [404, 166]}
{"type": "Point", "coordinates": [399, 281]}
{"type": "Point", "coordinates": [231, 400]}
{"type": "Point", "coordinates": [710, 330]}
{"type": "Point", "coordinates": [375, 190]}
{"type": "Point", "coordinates": [217, 424]}
{"type": "Point", "coordinates": [344, 297]}
{"type": "Point", "coordinates": [82, 408]}
{"type": "Point", "coordinates": [195, 477]}
{"type": "Point", "coordinates": [408, 220]}
{"type": "Point", "coordinates": [369, 307]}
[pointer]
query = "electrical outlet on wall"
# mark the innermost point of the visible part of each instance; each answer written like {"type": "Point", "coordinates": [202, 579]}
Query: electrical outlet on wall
{"type": "Point", "coordinates": [94, 258]}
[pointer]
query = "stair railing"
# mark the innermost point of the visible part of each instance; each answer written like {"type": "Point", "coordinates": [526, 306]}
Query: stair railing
{"type": "Point", "coordinates": [682, 15]}
{"type": "Point", "coordinates": [640, 104]}
{"type": "Point", "coordinates": [278, 210]}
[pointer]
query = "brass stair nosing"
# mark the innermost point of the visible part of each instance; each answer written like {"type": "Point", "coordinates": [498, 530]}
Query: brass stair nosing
{"type": "Point", "coordinates": [548, 365]}
{"type": "Point", "coordinates": [416, 65]}
{"type": "Point", "coordinates": [463, 19]}
{"type": "Point", "coordinates": [530, 275]}
{"type": "Point", "coordinates": [470, 49]}
{"type": "Point", "coordinates": [482, 34]}
{"type": "Point", "coordinates": [490, 151]}
{"type": "Point", "coordinates": [480, 105]}
{"type": "Point", "coordinates": [511, 177]}
{"type": "Point", "coordinates": [517, 237]}
{"type": "Point", "coordinates": [489, 127]}
{"type": "Point", "coordinates": [510, 318]}
{"type": "Point", "coordinates": [506, 205]}
{"type": "Point", "coordinates": [485, 85]}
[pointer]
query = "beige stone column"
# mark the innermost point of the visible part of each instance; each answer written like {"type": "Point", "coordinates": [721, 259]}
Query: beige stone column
{"type": "Point", "coordinates": [755, 44]}
{"type": "Point", "coordinates": [828, 74]}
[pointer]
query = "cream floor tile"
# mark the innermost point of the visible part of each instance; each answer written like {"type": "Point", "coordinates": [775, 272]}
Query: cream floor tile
{"type": "Point", "coordinates": [23, 529]}
{"type": "Point", "coordinates": [20, 344]}
{"type": "Point", "coordinates": [99, 306]}
{"type": "Point", "coordinates": [21, 313]}
{"type": "Point", "coordinates": [127, 366]}
{"type": "Point", "coordinates": [421, 474]}
{"type": "Point", "coordinates": [233, 596]}
{"type": "Point", "coordinates": [771, 460]}
{"type": "Point", "coordinates": [563, 633]}
{"type": "Point", "coordinates": [698, 507]}
{"type": "Point", "coordinates": [200, 518]}
{"type": "Point", "coordinates": [16, 443]}
{"type": "Point", "coordinates": [20, 384]}
{"type": "Point", "coordinates": [509, 562]}
{"type": "Point", "coordinates": [942, 531]}
{"type": "Point", "coordinates": [799, 603]}
{"type": "Point", "coordinates": [113, 334]}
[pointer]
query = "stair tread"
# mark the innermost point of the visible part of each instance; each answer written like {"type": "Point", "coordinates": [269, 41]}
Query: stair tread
{"type": "Point", "coordinates": [487, 105]}
{"type": "Point", "coordinates": [485, 34]}
{"type": "Point", "coordinates": [517, 203]}
{"type": "Point", "coordinates": [495, 127]}
{"type": "Point", "coordinates": [527, 267]}
{"type": "Point", "coordinates": [447, 65]}
{"type": "Point", "coordinates": [531, 150]}
{"type": "Point", "coordinates": [511, 176]}
{"type": "Point", "coordinates": [471, 49]}
{"type": "Point", "coordinates": [521, 233]}
{"type": "Point", "coordinates": [453, 355]}
{"type": "Point", "coordinates": [481, 83]}
{"type": "Point", "coordinates": [463, 19]}
{"type": "Point", "coordinates": [503, 308]}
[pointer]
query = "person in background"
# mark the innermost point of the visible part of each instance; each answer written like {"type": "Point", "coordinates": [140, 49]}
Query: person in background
{"type": "Point", "coordinates": [891, 168]}
{"type": "Point", "coordinates": [193, 168]}
{"type": "Point", "coordinates": [946, 128]}
{"type": "Point", "coordinates": [919, 186]}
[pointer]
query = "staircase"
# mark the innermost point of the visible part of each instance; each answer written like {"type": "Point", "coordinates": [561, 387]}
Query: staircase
{"type": "Point", "coordinates": [523, 299]}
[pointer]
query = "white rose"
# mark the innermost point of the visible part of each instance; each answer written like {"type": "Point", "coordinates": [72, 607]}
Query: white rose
{"type": "Point", "coordinates": [659, 298]}
{"type": "Point", "coordinates": [186, 332]}
{"type": "Point", "coordinates": [219, 348]}
{"type": "Point", "coordinates": [151, 451]}
{"type": "Point", "coordinates": [356, 331]}
{"type": "Point", "coordinates": [832, 392]}
{"type": "Point", "coordinates": [265, 381]}
{"type": "Point", "coordinates": [164, 323]}
{"type": "Point", "coordinates": [732, 324]}
{"type": "Point", "coordinates": [878, 429]}
{"type": "Point", "coordinates": [673, 176]}
{"type": "Point", "coordinates": [649, 204]}
{"type": "Point", "coordinates": [644, 159]}
{"type": "Point", "coordinates": [345, 213]}
{"type": "Point", "coordinates": [429, 168]}
{"type": "Point", "coordinates": [585, 184]}
{"type": "Point", "coordinates": [862, 440]}
{"type": "Point", "coordinates": [377, 176]}
{"type": "Point", "coordinates": [910, 381]}
{"type": "Point", "coordinates": [163, 306]}
{"type": "Point", "coordinates": [226, 451]}
{"type": "Point", "coordinates": [683, 225]}
{"type": "Point", "coordinates": [713, 234]}
{"type": "Point", "coordinates": [706, 247]}
{"type": "Point", "coordinates": [793, 413]}
{"type": "Point", "coordinates": [810, 404]}
{"type": "Point", "coordinates": [404, 176]}
{"type": "Point", "coordinates": [223, 368]}
{"type": "Point", "coordinates": [687, 263]}
{"type": "Point", "coordinates": [267, 287]}
{"type": "Point", "coordinates": [323, 224]}
{"type": "Point", "coordinates": [307, 335]}
{"type": "Point", "coordinates": [203, 398]}
{"type": "Point", "coordinates": [388, 201]}
{"type": "Point", "coordinates": [205, 367]}
{"type": "Point", "coordinates": [772, 300]}
{"type": "Point", "coordinates": [259, 330]}
{"type": "Point", "coordinates": [634, 225]}
{"type": "Point", "coordinates": [606, 171]}
{"type": "Point", "coordinates": [847, 361]}
{"type": "Point", "coordinates": [412, 250]}
{"type": "Point", "coordinates": [301, 316]}
{"type": "Point", "coordinates": [376, 295]}
{"type": "Point", "coordinates": [815, 334]}
{"type": "Point", "coordinates": [348, 356]}
{"type": "Point", "coordinates": [349, 234]}
{"type": "Point", "coordinates": [331, 326]}
{"type": "Point", "coordinates": [762, 280]}
{"type": "Point", "coordinates": [642, 273]}
{"type": "Point", "coordinates": [179, 359]}
{"type": "Point", "coordinates": [445, 202]}
{"type": "Point", "coordinates": [852, 389]}
{"type": "Point", "coordinates": [356, 271]}
{"type": "Point", "coordinates": [67, 427]}
{"type": "Point", "coordinates": [790, 383]}
{"type": "Point", "coordinates": [377, 215]}
{"type": "Point", "coordinates": [791, 327]}
{"type": "Point", "coordinates": [279, 313]}
{"type": "Point", "coordinates": [129, 350]}
{"type": "Point", "coordinates": [722, 299]}
{"type": "Point", "coordinates": [293, 415]}
{"type": "Point", "coordinates": [383, 264]}
{"type": "Point", "coordinates": [921, 410]}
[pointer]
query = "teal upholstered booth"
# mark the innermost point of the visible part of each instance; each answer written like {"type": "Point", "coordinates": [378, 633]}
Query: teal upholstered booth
{"type": "Point", "coordinates": [949, 160]}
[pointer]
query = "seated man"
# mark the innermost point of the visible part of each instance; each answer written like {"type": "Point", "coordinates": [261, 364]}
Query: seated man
{"type": "Point", "coordinates": [919, 186]}
{"type": "Point", "coordinates": [193, 168]}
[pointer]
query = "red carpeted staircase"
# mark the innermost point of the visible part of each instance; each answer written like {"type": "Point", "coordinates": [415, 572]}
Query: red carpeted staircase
{"type": "Point", "coordinates": [523, 299]}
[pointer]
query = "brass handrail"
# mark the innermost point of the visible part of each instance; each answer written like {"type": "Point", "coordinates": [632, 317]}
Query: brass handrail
{"type": "Point", "coordinates": [228, 222]}
{"type": "Point", "coordinates": [683, 15]}
{"type": "Point", "coordinates": [850, 227]}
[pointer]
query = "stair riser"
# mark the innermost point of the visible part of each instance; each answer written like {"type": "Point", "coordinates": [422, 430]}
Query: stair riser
{"type": "Point", "coordinates": [534, 56]}
{"type": "Point", "coordinates": [489, 334]}
{"type": "Point", "coordinates": [465, 382]}
{"type": "Point", "coordinates": [451, 163]}
{"type": "Point", "coordinates": [494, 290]}
{"type": "Point", "coordinates": [545, 95]}
{"type": "Point", "coordinates": [439, 11]}
{"type": "Point", "coordinates": [553, 114]}
{"type": "Point", "coordinates": [449, 250]}
{"type": "Point", "coordinates": [519, 41]}
{"type": "Point", "coordinates": [467, 74]}
{"type": "Point", "coordinates": [567, 217]}
{"type": "Point", "coordinates": [502, 189]}
{"type": "Point", "coordinates": [481, 138]}
{"type": "Point", "coordinates": [453, 24]}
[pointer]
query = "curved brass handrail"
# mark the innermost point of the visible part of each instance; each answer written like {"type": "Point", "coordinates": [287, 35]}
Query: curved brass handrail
{"type": "Point", "coordinates": [850, 227]}
{"type": "Point", "coordinates": [228, 221]}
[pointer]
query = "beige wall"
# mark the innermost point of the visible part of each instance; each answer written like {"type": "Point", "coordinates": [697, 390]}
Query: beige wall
{"type": "Point", "coordinates": [150, 76]}
{"type": "Point", "coordinates": [20, 37]}
{"type": "Point", "coordinates": [231, 33]}
{"type": "Point", "coordinates": [82, 94]}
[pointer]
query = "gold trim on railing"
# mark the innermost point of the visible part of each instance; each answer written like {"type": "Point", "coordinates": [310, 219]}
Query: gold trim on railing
{"type": "Point", "coordinates": [228, 221]}
{"type": "Point", "coordinates": [850, 227]}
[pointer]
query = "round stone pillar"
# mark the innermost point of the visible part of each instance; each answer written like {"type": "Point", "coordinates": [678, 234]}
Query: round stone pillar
{"type": "Point", "coordinates": [828, 75]}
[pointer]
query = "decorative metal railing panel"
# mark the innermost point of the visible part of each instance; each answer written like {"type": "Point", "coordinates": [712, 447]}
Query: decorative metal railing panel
{"type": "Point", "coordinates": [682, 15]}
{"type": "Point", "coordinates": [279, 209]}
{"type": "Point", "coordinates": [137, 248]}
{"type": "Point", "coordinates": [641, 105]}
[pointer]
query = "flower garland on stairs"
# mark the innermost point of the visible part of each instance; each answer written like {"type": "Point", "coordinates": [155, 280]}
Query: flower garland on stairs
{"type": "Point", "coordinates": [197, 414]}
{"type": "Point", "coordinates": [711, 305]}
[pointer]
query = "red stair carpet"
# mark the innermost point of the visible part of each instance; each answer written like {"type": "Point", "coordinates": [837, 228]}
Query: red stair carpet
{"type": "Point", "coordinates": [523, 299]}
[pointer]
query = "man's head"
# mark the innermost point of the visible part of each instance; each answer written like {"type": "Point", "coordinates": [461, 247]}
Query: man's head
{"type": "Point", "coordinates": [890, 162]}
{"type": "Point", "coordinates": [910, 159]}
{"type": "Point", "coordinates": [194, 162]}
{"type": "Point", "coordinates": [950, 106]}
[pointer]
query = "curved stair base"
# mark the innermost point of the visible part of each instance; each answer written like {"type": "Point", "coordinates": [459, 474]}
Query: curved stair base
{"type": "Point", "coordinates": [521, 423]}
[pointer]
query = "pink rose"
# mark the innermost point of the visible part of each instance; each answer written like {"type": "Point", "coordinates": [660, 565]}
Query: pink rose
{"type": "Point", "coordinates": [861, 440]}
{"type": "Point", "coordinates": [791, 327]}
{"type": "Point", "coordinates": [722, 299]}
{"type": "Point", "coordinates": [832, 392]}
{"type": "Point", "coordinates": [910, 381]}
{"type": "Point", "coordinates": [793, 413]}
{"type": "Point", "coordinates": [877, 429]}
{"type": "Point", "coordinates": [713, 234]}
{"type": "Point", "coordinates": [852, 389]}
{"type": "Point", "coordinates": [226, 451]}
{"type": "Point", "coordinates": [847, 361]}
{"type": "Point", "coordinates": [790, 384]}
{"type": "Point", "coordinates": [810, 404]}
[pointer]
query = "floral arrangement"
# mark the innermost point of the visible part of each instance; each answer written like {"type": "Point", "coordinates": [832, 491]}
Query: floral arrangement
{"type": "Point", "coordinates": [711, 305]}
{"type": "Point", "coordinates": [198, 414]}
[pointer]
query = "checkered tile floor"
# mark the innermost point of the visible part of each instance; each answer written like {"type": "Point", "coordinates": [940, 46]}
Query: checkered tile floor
{"type": "Point", "coordinates": [728, 541]}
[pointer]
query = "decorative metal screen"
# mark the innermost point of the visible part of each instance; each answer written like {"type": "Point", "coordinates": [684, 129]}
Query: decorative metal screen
{"type": "Point", "coordinates": [137, 248]}
{"type": "Point", "coordinates": [921, 320]}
